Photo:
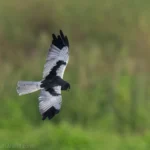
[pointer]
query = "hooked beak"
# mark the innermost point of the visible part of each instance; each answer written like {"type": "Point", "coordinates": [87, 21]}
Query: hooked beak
{"type": "Point", "coordinates": [68, 88]}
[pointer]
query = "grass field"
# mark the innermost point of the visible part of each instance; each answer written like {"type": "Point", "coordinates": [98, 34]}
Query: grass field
{"type": "Point", "coordinates": [69, 137]}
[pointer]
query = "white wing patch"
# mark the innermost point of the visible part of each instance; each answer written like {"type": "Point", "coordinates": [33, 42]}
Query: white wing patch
{"type": "Point", "coordinates": [54, 55]}
{"type": "Point", "coordinates": [46, 100]}
{"type": "Point", "coordinates": [64, 56]}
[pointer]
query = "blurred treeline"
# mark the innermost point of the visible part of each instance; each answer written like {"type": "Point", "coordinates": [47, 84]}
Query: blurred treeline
{"type": "Point", "coordinates": [108, 70]}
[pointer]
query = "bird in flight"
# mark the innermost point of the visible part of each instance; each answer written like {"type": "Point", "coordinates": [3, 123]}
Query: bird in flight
{"type": "Point", "coordinates": [50, 98]}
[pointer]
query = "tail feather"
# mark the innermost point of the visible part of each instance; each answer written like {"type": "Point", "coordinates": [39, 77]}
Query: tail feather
{"type": "Point", "coordinates": [26, 87]}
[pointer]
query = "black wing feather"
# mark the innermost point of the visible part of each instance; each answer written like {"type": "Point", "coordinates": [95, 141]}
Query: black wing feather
{"type": "Point", "coordinates": [60, 41]}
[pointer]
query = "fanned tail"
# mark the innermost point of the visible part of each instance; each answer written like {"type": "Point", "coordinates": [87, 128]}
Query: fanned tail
{"type": "Point", "coordinates": [26, 87]}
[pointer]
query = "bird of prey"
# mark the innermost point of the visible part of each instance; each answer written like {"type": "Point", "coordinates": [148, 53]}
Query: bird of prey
{"type": "Point", "coordinates": [50, 98]}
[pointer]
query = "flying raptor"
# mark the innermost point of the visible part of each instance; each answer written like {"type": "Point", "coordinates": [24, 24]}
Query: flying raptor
{"type": "Point", "coordinates": [50, 98]}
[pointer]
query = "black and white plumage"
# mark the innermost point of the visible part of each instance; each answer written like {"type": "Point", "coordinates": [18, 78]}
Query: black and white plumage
{"type": "Point", "coordinates": [50, 98]}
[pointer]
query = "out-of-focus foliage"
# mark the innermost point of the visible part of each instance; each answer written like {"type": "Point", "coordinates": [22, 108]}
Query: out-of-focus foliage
{"type": "Point", "coordinates": [108, 105]}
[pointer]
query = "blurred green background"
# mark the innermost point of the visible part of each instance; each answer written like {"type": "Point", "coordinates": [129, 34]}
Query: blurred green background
{"type": "Point", "coordinates": [108, 106]}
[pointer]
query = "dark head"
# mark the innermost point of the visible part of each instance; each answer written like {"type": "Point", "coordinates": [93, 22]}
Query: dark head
{"type": "Point", "coordinates": [66, 86]}
{"type": "Point", "coordinates": [50, 113]}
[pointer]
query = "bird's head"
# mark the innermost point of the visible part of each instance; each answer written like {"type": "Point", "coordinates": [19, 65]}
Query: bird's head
{"type": "Point", "coordinates": [66, 86]}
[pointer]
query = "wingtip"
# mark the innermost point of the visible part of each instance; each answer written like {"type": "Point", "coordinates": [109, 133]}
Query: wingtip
{"type": "Point", "coordinates": [54, 36]}
{"type": "Point", "coordinates": [60, 31]}
{"type": "Point", "coordinates": [43, 118]}
{"type": "Point", "coordinates": [61, 40]}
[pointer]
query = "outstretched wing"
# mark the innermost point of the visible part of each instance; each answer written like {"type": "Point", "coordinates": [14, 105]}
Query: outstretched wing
{"type": "Point", "coordinates": [58, 56]}
{"type": "Point", "coordinates": [49, 105]}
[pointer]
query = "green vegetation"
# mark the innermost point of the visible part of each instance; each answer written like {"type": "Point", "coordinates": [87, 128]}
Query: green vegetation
{"type": "Point", "coordinates": [108, 105]}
